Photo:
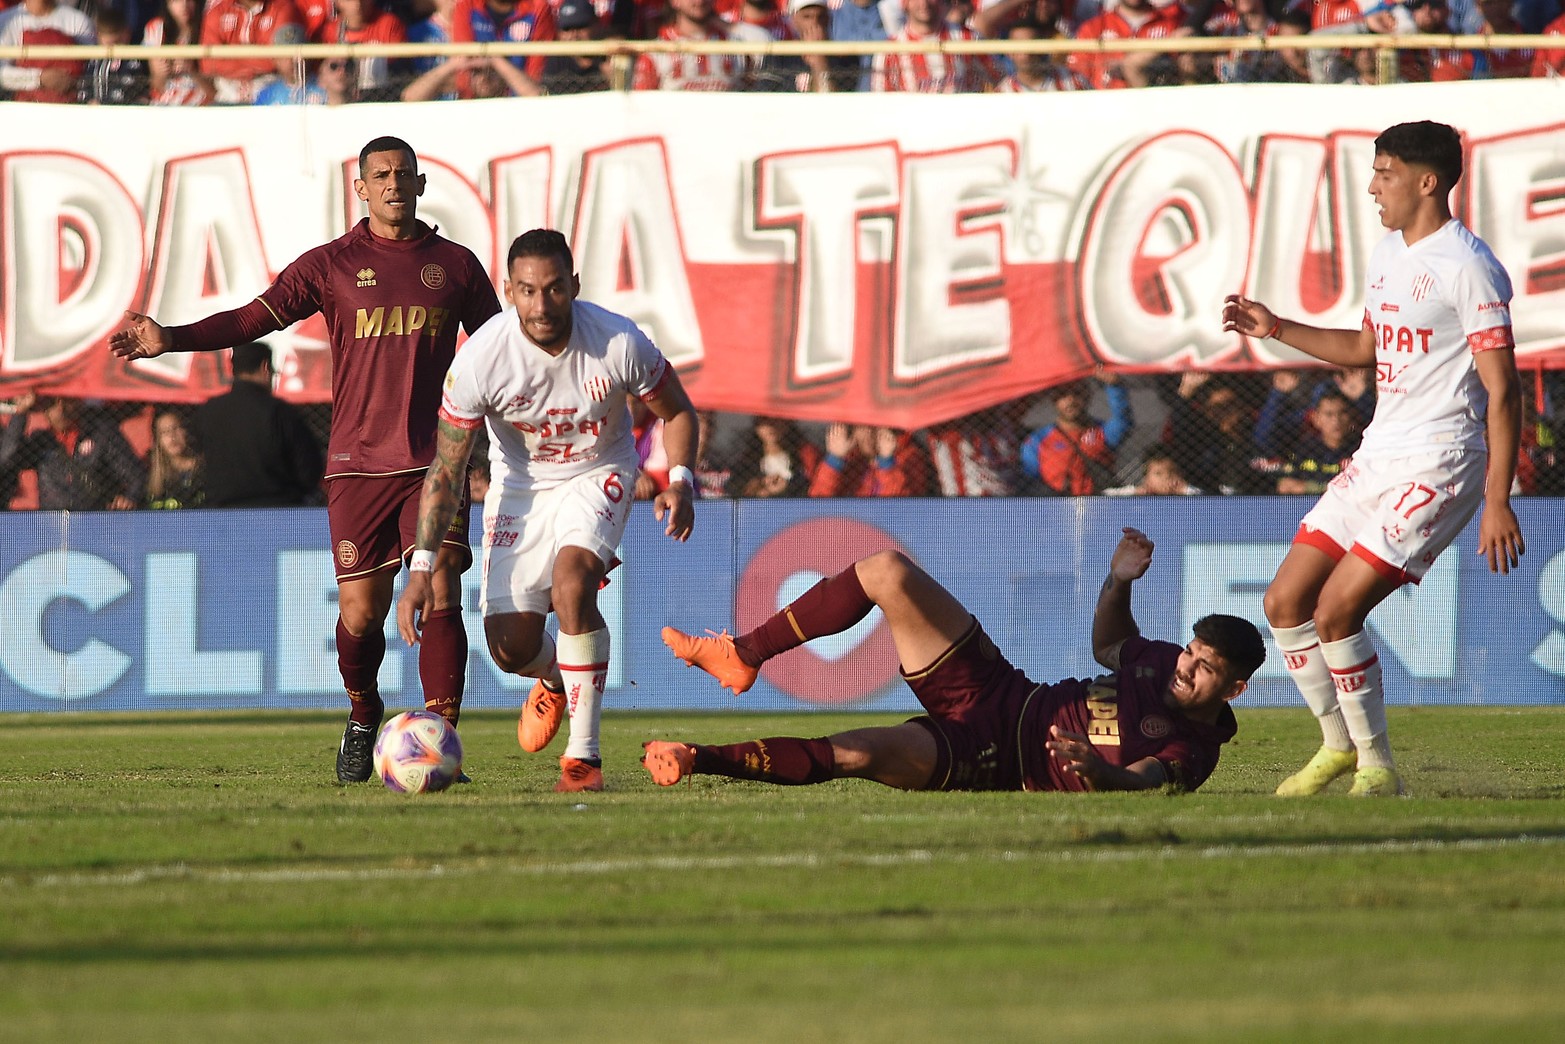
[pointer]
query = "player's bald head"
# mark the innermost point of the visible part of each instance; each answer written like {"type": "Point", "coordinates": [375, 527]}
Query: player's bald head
{"type": "Point", "coordinates": [385, 143]}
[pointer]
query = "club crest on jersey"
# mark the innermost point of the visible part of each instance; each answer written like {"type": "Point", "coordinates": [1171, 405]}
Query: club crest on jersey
{"type": "Point", "coordinates": [1155, 727]}
{"type": "Point", "coordinates": [1422, 285]}
{"type": "Point", "coordinates": [597, 388]}
{"type": "Point", "coordinates": [366, 276]}
{"type": "Point", "coordinates": [432, 276]}
{"type": "Point", "coordinates": [347, 554]}
{"type": "Point", "coordinates": [518, 402]}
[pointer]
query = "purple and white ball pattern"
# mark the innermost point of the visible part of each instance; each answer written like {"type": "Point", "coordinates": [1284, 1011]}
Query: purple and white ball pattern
{"type": "Point", "coordinates": [418, 752]}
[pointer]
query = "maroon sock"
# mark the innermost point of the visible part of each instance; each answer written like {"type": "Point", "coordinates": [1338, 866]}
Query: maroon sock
{"type": "Point", "coordinates": [442, 662]}
{"type": "Point", "coordinates": [359, 661]}
{"type": "Point", "coordinates": [833, 605]}
{"type": "Point", "coordinates": [780, 759]}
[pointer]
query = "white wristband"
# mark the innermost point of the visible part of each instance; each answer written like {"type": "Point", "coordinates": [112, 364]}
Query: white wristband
{"type": "Point", "coordinates": [680, 473]}
{"type": "Point", "coordinates": [422, 562]}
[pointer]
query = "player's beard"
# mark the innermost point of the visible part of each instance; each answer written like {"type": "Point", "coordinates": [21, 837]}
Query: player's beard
{"type": "Point", "coordinates": [557, 337]}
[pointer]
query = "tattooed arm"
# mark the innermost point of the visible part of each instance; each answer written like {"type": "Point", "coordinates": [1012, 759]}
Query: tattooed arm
{"type": "Point", "coordinates": [437, 506]}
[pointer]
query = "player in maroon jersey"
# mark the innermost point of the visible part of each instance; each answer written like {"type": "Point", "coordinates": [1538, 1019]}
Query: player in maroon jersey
{"type": "Point", "coordinates": [1159, 720]}
{"type": "Point", "coordinates": [392, 292]}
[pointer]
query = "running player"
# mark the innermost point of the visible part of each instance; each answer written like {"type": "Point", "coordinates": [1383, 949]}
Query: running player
{"type": "Point", "coordinates": [551, 376]}
{"type": "Point", "coordinates": [1159, 720]}
{"type": "Point", "coordinates": [1437, 329]}
{"type": "Point", "coordinates": [392, 292]}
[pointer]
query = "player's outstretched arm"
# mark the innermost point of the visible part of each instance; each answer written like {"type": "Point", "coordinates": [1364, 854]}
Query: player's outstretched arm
{"type": "Point", "coordinates": [1112, 621]}
{"type": "Point", "coordinates": [437, 506]}
{"type": "Point", "coordinates": [142, 338]}
{"type": "Point", "coordinates": [1499, 533]}
{"type": "Point", "coordinates": [1353, 348]}
{"type": "Point", "coordinates": [676, 503]}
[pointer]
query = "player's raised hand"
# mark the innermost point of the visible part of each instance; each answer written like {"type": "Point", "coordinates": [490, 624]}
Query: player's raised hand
{"type": "Point", "coordinates": [142, 338]}
{"type": "Point", "coordinates": [1244, 316]}
{"type": "Point", "coordinates": [1132, 556]}
{"type": "Point", "coordinates": [415, 605]}
{"type": "Point", "coordinates": [677, 503]}
{"type": "Point", "coordinates": [1500, 538]}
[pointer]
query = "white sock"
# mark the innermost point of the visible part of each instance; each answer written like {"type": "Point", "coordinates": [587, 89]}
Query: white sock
{"type": "Point", "coordinates": [544, 665]}
{"type": "Point", "coordinates": [1356, 667]}
{"type": "Point", "coordinates": [1301, 654]}
{"type": "Point", "coordinates": [584, 666]}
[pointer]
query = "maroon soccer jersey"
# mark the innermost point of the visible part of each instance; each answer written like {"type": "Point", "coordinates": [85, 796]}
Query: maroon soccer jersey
{"type": "Point", "coordinates": [391, 307]}
{"type": "Point", "coordinates": [1125, 716]}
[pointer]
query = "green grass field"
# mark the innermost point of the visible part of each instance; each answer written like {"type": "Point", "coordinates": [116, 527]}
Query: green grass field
{"type": "Point", "coordinates": [203, 878]}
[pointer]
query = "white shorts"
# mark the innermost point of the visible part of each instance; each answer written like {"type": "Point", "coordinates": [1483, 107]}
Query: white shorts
{"type": "Point", "coordinates": [524, 532]}
{"type": "Point", "coordinates": [1398, 514]}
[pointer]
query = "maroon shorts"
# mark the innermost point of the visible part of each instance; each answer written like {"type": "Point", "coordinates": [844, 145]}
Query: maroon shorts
{"type": "Point", "coordinates": [975, 698]}
{"type": "Point", "coordinates": [374, 521]}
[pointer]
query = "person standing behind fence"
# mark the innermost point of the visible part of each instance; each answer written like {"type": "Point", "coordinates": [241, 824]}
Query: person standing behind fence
{"type": "Point", "coordinates": [1444, 438]}
{"type": "Point", "coordinates": [259, 450]}
{"type": "Point", "coordinates": [1074, 456]}
{"type": "Point", "coordinates": [175, 469]}
{"type": "Point", "coordinates": [82, 460]}
{"type": "Point", "coordinates": [393, 292]}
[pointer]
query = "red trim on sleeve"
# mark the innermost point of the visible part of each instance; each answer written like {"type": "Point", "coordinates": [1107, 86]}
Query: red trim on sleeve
{"type": "Point", "coordinates": [1396, 574]}
{"type": "Point", "coordinates": [662, 380]}
{"type": "Point", "coordinates": [1491, 339]}
{"type": "Point", "coordinates": [1318, 540]}
{"type": "Point", "coordinates": [465, 423]}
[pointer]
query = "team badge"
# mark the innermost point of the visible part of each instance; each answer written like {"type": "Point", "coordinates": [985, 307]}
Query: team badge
{"type": "Point", "coordinates": [347, 554]}
{"type": "Point", "coordinates": [433, 276]}
{"type": "Point", "coordinates": [597, 388]}
{"type": "Point", "coordinates": [1155, 727]}
{"type": "Point", "coordinates": [1422, 285]}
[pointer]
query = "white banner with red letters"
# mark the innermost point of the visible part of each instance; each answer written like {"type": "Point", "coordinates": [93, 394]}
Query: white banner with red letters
{"type": "Point", "coordinates": [898, 259]}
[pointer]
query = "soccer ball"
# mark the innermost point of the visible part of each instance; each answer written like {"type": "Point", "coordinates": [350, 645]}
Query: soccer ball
{"type": "Point", "coordinates": [416, 752]}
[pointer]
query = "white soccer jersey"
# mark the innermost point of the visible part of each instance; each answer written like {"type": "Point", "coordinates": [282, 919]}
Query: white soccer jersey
{"type": "Point", "coordinates": [1432, 307]}
{"type": "Point", "coordinates": [552, 418]}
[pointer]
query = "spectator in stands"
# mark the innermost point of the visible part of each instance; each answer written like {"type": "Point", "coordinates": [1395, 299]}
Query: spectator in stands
{"type": "Point", "coordinates": [1039, 72]}
{"type": "Point", "coordinates": [1211, 433]}
{"type": "Point", "coordinates": [577, 22]}
{"type": "Point", "coordinates": [177, 81]}
{"type": "Point", "coordinates": [43, 23]}
{"type": "Point", "coordinates": [1074, 456]}
{"type": "Point", "coordinates": [1160, 477]}
{"type": "Point", "coordinates": [114, 81]}
{"type": "Point", "coordinates": [978, 455]}
{"type": "Point", "coordinates": [504, 21]}
{"type": "Point", "coordinates": [714, 471]}
{"type": "Point", "coordinates": [696, 20]}
{"type": "Point", "coordinates": [175, 469]}
{"type": "Point", "coordinates": [364, 21]}
{"type": "Point", "coordinates": [1344, 18]}
{"type": "Point", "coordinates": [810, 21]}
{"type": "Point", "coordinates": [1436, 64]}
{"type": "Point", "coordinates": [777, 460]}
{"type": "Point", "coordinates": [237, 81]}
{"type": "Point", "coordinates": [1285, 415]}
{"type": "Point", "coordinates": [473, 77]}
{"type": "Point", "coordinates": [1501, 63]}
{"type": "Point", "coordinates": [866, 461]}
{"type": "Point", "coordinates": [259, 450]}
{"type": "Point", "coordinates": [1551, 62]}
{"type": "Point", "coordinates": [1251, 18]}
{"type": "Point", "coordinates": [434, 27]}
{"type": "Point", "coordinates": [865, 21]}
{"type": "Point", "coordinates": [82, 460]}
{"type": "Point", "coordinates": [1319, 455]}
{"type": "Point", "coordinates": [941, 72]}
{"type": "Point", "coordinates": [335, 83]}
{"type": "Point", "coordinates": [1130, 20]}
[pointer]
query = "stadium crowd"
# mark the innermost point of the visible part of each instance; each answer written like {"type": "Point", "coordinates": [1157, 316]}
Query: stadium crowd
{"type": "Point", "coordinates": [265, 81]}
{"type": "Point", "coordinates": [1286, 432]}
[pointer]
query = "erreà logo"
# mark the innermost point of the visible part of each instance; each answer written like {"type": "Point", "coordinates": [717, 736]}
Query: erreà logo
{"type": "Point", "coordinates": [366, 277]}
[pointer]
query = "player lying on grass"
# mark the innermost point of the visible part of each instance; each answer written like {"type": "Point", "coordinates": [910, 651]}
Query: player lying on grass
{"type": "Point", "coordinates": [1160, 719]}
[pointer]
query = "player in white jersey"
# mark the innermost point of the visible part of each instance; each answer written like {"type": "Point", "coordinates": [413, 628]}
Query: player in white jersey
{"type": "Point", "coordinates": [1437, 329]}
{"type": "Point", "coordinates": [550, 377]}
